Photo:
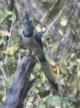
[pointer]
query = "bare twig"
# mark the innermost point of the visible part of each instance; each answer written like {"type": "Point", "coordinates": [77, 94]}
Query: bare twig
{"type": "Point", "coordinates": [3, 20]}
{"type": "Point", "coordinates": [46, 14]}
{"type": "Point", "coordinates": [4, 73]}
{"type": "Point", "coordinates": [5, 60]}
{"type": "Point", "coordinates": [54, 21]}
{"type": "Point", "coordinates": [7, 3]}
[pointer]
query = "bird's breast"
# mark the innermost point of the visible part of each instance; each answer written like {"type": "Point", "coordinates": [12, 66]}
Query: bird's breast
{"type": "Point", "coordinates": [32, 44]}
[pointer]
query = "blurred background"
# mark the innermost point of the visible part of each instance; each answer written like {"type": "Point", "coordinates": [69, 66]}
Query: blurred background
{"type": "Point", "coordinates": [59, 22]}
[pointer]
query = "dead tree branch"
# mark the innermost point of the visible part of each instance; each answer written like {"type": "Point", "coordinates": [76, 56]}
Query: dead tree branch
{"type": "Point", "coordinates": [21, 84]}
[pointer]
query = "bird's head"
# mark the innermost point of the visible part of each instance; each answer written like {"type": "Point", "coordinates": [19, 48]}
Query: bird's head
{"type": "Point", "coordinates": [27, 29]}
{"type": "Point", "coordinates": [27, 19]}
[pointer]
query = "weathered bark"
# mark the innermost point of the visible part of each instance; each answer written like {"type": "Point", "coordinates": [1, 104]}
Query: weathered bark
{"type": "Point", "coordinates": [21, 84]}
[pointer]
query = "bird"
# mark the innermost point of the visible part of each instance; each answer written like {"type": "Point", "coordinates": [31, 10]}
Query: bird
{"type": "Point", "coordinates": [32, 40]}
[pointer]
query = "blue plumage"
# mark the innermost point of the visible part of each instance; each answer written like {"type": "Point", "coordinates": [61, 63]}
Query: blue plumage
{"type": "Point", "coordinates": [37, 36]}
{"type": "Point", "coordinates": [28, 30]}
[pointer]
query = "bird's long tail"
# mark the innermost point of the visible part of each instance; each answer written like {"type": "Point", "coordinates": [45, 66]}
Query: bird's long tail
{"type": "Point", "coordinates": [47, 71]}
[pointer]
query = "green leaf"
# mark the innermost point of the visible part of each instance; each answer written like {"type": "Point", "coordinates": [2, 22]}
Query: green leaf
{"type": "Point", "coordinates": [2, 42]}
{"type": "Point", "coordinates": [54, 101]}
{"type": "Point", "coordinates": [11, 14]}
{"type": "Point", "coordinates": [2, 92]}
{"type": "Point", "coordinates": [13, 18]}
{"type": "Point", "coordinates": [8, 13]}
{"type": "Point", "coordinates": [9, 81]}
{"type": "Point", "coordinates": [42, 105]}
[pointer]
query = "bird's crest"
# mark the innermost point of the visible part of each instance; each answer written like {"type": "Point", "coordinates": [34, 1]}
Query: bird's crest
{"type": "Point", "coordinates": [27, 18]}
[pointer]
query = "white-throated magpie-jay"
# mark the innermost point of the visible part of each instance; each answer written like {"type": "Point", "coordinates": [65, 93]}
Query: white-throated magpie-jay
{"type": "Point", "coordinates": [32, 41]}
